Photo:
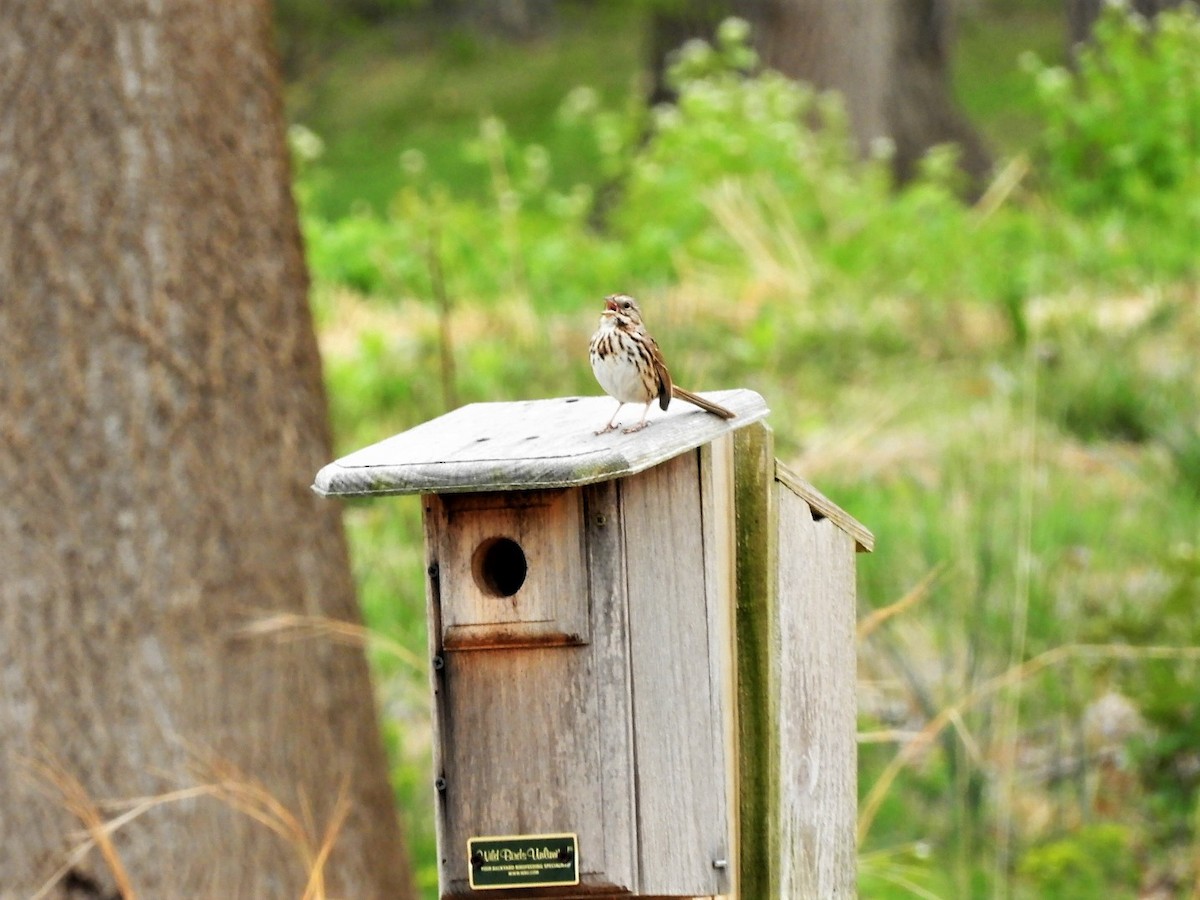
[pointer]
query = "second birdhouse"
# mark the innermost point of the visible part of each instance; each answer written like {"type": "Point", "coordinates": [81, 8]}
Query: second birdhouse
{"type": "Point", "coordinates": [581, 614]}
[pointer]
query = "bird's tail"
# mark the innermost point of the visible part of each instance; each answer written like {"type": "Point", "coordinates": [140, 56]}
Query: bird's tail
{"type": "Point", "coordinates": [707, 405]}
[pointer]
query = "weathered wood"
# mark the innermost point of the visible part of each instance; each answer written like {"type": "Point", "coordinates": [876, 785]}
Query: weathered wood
{"type": "Point", "coordinates": [521, 755]}
{"type": "Point", "coordinates": [547, 606]}
{"type": "Point", "coordinates": [823, 507]}
{"type": "Point", "coordinates": [614, 688]}
{"type": "Point", "coordinates": [529, 444]}
{"type": "Point", "coordinates": [757, 650]}
{"type": "Point", "coordinates": [680, 769]}
{"type": "Point", "coordinates": [816, 671]}
{"type": "Point", "coordinates": [621, 740]}
{"type": "Point", "coordinates": [720, 581]}
{"type": "Point", "coordinates": [673, 680]}
{"type": "Point", "coordinates": [796, 680]}
{"type": "Point", "coordinates": [537, 740]}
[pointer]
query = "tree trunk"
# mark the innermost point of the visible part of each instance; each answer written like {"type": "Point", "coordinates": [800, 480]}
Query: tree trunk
{"type": "Point", "coordinates": [921, 110]}
{"type": "Point", "coordinates": [890, 61]}
{"type": "Point", "coordinates": [839, 45]}
{"type": "Point", "coordinates": [161, 417]}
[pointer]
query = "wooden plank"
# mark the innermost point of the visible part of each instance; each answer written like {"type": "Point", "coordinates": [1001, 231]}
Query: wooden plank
{"type": "Point", "coordinates": [717, 510]}
{"type": "Point", "coordinates": [433, 616]}
{"type": "Point", "coordinates": [680, 775]}
{"type": "Point", "coordinates": [817, 710]}
{"type": "Point", "coordinates": [823, 507]}
{"type": "Point", "coordinates": [529, 444]}
{"type": "Point", "coordinates": [612, 680]}
{"type": "Point", "coordinates": [536, 739]}
{"type": "Point", "coordinates": [757, 535]}
{"type": "Point", "coordinates": [520, 753]}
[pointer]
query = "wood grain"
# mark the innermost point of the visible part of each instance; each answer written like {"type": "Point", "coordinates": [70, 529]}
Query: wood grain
{"type": "Point", "coordinates": [551, 606]}
{"type": "Point", "coordinates": [720, 582]}
{"type": "Point", "coordinates": [817, 705]}
{"type": "Point", "coordinates": [823, 507]}
{"type": "Point", "coordinates": [631, 740]}
{"type": "Point", "coordinates": [613, 681]}
{"type": "Point", "coordinates": [680, 771]}
{"type": "Point", "coordinates": [528, 444]}
{"type": "Point", "coordinates": [757, 534]}
{"type": "Point", "coordinates": [537, 739]}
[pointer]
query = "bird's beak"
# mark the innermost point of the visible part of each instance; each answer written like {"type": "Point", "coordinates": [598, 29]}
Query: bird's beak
{"type": "Point", "coordinates": [610, 305]}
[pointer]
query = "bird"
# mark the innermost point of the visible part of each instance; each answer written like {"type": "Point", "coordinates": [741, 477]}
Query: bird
{"type": "Point", "coordinates": [630, 367]}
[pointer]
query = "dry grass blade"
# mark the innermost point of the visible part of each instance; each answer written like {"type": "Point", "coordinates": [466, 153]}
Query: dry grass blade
{"type": "Point", "coordinates": [827, 453]}
{"type": "Point", "coordinates": [915, 595]}
{"type": "Point", "coordinates": [886, 736]}
{"type": "Point", "coordinates": [251, 798]}
{"type": "Point", "coordinates": [1008, 678]}
{"type": "Point", "coordinates": [223, 782]}
{"type": "Point", "coordinates": [756, 217]}
{"type": "Point", "coordinates": [968, 739]}
{"type": "Point", "coordinates": [909, 885]}
{"type": "Point", "coordinates": [1009, 719]}
{"type": "Point", "coordinates": [315, 890]}
{"type": "Point", "coordinates": [53, 777]}
{"type": "Point", "coordinates": [885, 865]}
{"type": "Point", "coordinates": [1001, 187]}
{"type": "Point", "coordinates": [292, 626]}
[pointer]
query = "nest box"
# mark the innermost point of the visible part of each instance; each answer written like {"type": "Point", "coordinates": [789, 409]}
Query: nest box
{"type": "Point", "coordinates": [581, 601]}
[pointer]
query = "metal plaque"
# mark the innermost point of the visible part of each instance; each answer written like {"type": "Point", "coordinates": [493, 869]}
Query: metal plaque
{"type": "Point", "coordinates": [523, 860]}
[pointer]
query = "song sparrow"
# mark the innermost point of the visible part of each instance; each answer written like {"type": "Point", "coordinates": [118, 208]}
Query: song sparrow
{"type": "Point", "coordinates": [630, 367]}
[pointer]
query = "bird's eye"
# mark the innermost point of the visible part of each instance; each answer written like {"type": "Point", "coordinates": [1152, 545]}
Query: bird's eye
{"type": "Point", "coordinates": [626, 305]}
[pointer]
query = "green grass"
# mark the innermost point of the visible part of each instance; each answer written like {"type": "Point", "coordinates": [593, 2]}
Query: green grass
{"type": "Point", "coordinates": [370, 102]}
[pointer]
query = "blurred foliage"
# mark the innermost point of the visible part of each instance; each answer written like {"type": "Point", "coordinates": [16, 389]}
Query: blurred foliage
{"type": "Point", "coordinates": [742, 166]}
{"type": "Point", "coordinates": [1121, 132]}
{"type": "Point", "coordinates": [1004, 392]}
{"type": "Point", "coordinates": [1167, 694]}
{"type": "Point", "coordinates": [373, 95]}
{"type": "Point", "coordinates": [1093, 861]}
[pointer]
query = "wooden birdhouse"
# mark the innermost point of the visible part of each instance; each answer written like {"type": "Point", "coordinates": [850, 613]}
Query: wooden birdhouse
{"type": "Point", "coordinates": [599, 726]}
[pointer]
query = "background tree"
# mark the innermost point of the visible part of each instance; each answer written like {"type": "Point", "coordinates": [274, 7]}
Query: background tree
{"type": "Point", "coordinates": [889, 61]}
{"type": "Point", "coordinates": [161, 417]}
{"type": "Point", "coordinates": [920, 109]}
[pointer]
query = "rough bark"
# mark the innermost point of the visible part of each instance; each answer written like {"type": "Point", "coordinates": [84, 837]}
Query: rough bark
{"type": "Point", "coordinates": [161, 417]}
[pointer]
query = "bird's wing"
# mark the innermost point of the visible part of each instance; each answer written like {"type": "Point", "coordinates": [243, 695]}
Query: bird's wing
{"type": "Point", "coordinates": [661, 375]}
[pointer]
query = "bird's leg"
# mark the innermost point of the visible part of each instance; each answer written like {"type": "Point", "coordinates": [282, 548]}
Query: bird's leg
{"type": "Point", "coordinates": [642, 424]}
{"type": "Point", "coordinates": [611, 422]}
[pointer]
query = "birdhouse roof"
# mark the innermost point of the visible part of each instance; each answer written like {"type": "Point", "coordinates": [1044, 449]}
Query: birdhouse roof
{"type": "Point", "coordinates": [530, 444]}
